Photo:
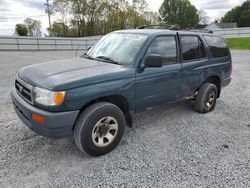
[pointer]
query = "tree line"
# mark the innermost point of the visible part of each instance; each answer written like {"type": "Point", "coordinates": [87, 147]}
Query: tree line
{"type": "Point", "coordinates": [98, 17]}
{"type": "Point", "coordinates": [239, 15]}
{"type": "Point", "coordinates": [80, 18]}
{"type": "Point", "coordinates": [30, 28]}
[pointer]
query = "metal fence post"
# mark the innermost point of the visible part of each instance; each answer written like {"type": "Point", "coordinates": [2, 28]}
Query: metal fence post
{"type": "Point", "coordinates": [17, 42]}
{"type": "Point", "coordinates": [55, 44]}
{"type": "Point", "coordinates": [38, 47]}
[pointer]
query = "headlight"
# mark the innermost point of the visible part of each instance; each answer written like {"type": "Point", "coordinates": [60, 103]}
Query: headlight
{"type": "Point", "coordinates": [48, 98]}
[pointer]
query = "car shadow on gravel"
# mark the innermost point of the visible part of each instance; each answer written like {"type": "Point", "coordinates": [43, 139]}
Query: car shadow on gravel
{"type": "Point", "coordinates": [149, 117]}
{"type": "Point", "coordinates": [65, 146]}
{"type": "Point", "coordinates": [33, 144]}
{"type": "Point", "coordinates": [154, 114]}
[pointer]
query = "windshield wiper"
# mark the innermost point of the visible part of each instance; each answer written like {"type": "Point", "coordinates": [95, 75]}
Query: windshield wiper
{"type": "Point", "coordinates": [108, 59]}
{"type": "Point", "coordinates": [87, 56]}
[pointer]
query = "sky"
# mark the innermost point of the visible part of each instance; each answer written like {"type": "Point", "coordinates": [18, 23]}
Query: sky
{"type": "Point", "coordinates": [15, 11]}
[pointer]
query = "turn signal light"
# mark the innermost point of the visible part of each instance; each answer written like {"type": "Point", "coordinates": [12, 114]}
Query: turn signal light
{"type": "Point", "coordinates": [58, 98]}
{"type": "Point", "coordinates": [39, 119]}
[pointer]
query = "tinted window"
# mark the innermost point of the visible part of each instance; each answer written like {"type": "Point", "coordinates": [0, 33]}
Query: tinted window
{"type": "Point", "coordinates": [217, 46]}
{"type": "Point", "coordinates": [192, 48]}
{"type": "Point", "coordinates": [166, 47]}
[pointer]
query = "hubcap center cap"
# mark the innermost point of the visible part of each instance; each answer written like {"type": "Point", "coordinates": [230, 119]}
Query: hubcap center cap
{"type": "Point", "coordinates": [103, 130]}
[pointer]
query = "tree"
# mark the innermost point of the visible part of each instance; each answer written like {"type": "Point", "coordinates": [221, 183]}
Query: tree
{"type": "Point", "coordinates": [244, 18]}
{"type": "Point", "coordinates": [232, 15]}
{"type": "Point", "coordinates": [180, 12]}
{"type": "Point", "coordinates": [94, 15]}
{"type": "Point", "coordinates": [98, 17]}
{"type": "Point", "coordinates": [79, 9]}
{"type": "Point", "coordinates": [34, 27]}
{"type": "Point", "coordinates": [21, 30]}
{"type": "Point", "coordinates": [59, 30]}
{"type": "Point", "coordinates": [239, 14]}
{"type": "Point", "coordinates": [62, 7]}
{"type": "Point", "coordinates": [203, 18]}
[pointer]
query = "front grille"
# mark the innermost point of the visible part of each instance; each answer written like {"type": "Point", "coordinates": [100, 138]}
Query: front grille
{"type": "Point", "coordinates": [24, 90]}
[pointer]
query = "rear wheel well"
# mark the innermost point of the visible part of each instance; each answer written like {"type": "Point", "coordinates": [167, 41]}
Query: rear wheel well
{"type": "Point", "coordinates": [117, 100]}
{"type": "Point", "coordinates": [216, 81]}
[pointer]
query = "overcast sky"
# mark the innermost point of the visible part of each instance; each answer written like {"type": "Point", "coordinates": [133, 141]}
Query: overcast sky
{"type": "Point", "coordinates": [15, 11]}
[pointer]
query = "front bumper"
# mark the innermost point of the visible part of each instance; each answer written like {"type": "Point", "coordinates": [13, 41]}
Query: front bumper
{"type": "Point", "coordinates": [58, 124]}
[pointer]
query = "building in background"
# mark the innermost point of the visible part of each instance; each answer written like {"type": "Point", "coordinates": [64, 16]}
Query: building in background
{"type": "Point", "coordinates": [216, 25]}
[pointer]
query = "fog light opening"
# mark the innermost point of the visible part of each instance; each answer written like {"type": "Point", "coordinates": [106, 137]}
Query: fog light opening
{"type": "Point", "coordinates": [39, 119]}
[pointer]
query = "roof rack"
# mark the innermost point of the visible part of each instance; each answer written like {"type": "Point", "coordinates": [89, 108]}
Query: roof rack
{"type": "Point", "coordinates": [199, 30]}
{"type": "Point", "coordinates": [174, 27]}
{"type": "Point", "coordinates": [159, 26]}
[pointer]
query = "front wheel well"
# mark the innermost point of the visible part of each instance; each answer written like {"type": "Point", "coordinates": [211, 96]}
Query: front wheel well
{"type": "Point", "coordinates": [117, 100]}
{"type": "Point", "coordinates": [216, 81]}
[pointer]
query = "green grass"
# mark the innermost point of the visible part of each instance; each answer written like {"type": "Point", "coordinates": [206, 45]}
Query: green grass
{"type": "Point", "coordinates": [239, 43]}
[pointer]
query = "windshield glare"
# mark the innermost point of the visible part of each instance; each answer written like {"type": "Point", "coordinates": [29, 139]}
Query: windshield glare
{"type": "Point", "coordinates": [120, 47]}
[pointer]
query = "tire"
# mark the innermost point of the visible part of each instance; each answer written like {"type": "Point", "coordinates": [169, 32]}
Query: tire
{"type": "Point", "coordinates": [99, 129]}
{"type": "Point", "coordinates": [206, 98]}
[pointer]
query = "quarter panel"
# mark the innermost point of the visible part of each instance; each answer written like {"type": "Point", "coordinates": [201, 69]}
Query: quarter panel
{"type": "Point", "coordinates": [192, 76]}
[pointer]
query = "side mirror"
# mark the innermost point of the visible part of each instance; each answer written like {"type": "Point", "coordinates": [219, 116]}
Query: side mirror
{"type": "Point", "coordinates": [153, 60]}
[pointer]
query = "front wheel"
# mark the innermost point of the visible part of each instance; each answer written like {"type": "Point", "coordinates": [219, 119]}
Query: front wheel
{"type": "Point", "coordinates": [99, 129]}
{"type": "Point", "coordinates": [205, 100]}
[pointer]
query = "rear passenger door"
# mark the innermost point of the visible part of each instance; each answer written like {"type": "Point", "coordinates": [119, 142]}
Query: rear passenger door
{"type": "Point", "coordinates": [194, 59]}
{"type": "Point", "coordinates": [156, 86]}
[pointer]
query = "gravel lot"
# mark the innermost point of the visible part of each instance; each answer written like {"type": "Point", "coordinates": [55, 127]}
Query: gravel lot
{"type": "Point", "coordinates": [170, 146]}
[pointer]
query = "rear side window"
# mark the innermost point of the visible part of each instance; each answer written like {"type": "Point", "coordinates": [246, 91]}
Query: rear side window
{"type": "Point", "coordinates": [192, 48]}
{"type": "Point", "coordinates": [217, 45]}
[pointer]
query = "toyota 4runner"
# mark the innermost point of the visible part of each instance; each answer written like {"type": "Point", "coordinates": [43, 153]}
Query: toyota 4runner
{"type": "Point", "coordinates": [93, 97]}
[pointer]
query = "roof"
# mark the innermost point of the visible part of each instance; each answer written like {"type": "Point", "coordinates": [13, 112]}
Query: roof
{"type": "Point", "coordinates": [158, 31]}
{"type": "Point", "coordinates": [222, 25]}
{"type": "Point", "coordinates": [228, 25]}
{"type": "Point", "coordinates": [147, 31]}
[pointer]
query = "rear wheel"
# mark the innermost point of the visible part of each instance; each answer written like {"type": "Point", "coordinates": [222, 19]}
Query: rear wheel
{"type": "Point", "coordinates": [206, 98]}
{"type": "Point", "coordinates": [99, 129]}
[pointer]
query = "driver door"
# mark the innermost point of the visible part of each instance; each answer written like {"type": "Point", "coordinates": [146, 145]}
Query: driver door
{"type": "Point", "coordinates": [155, 86]}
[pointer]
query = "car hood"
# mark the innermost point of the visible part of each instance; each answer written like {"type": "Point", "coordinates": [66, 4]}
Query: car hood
{"type": "Point", "coordinates": [71, 73]}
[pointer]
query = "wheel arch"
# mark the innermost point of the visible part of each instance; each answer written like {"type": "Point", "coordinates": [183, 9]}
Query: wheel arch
{"type": "Point", "coordinates": [117, 100]}
{"type": "Point", "coordinates": [215, 79]}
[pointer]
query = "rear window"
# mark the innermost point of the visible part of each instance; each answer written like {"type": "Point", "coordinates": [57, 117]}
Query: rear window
{"type": "Point", "coordinates": [192, 48]}
{"type": "Point", "coordinates": [217, 45]}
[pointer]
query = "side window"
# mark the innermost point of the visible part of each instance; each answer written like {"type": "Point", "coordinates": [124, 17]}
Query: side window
{"type": "Point", "coordinates": [166, 47]}
{"type": "Point", "coordinates": [192, 48]}
{"type": "Point", "coordinates": [217, 46]}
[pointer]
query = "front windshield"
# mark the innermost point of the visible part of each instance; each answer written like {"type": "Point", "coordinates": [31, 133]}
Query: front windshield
{"type": "Point", "coordinates": [118, 47]}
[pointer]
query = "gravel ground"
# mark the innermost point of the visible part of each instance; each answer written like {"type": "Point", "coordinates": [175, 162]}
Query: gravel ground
{"type": "Point", "coordinates": [170, 146]}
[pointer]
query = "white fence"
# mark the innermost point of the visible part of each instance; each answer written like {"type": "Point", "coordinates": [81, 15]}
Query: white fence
{"type": "Point", "coordinates": [14, 43]}
{"type": "Point", "coordinates": [234, 32]}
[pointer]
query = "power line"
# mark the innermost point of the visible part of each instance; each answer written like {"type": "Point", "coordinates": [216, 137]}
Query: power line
{"type": "Point", "coordinates": [20, 17]}
{"type": "Point", "coordinates": [7, 29]}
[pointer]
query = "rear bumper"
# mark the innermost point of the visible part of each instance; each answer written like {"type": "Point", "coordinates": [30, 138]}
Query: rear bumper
{"type": "Point", "coordinates": [226, 82]}
{"type": "Point", "coordinates": [57, 125]}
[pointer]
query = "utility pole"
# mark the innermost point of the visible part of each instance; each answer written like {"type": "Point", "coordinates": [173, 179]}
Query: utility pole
{"type": "Point", "coordinates": [49, 11]}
